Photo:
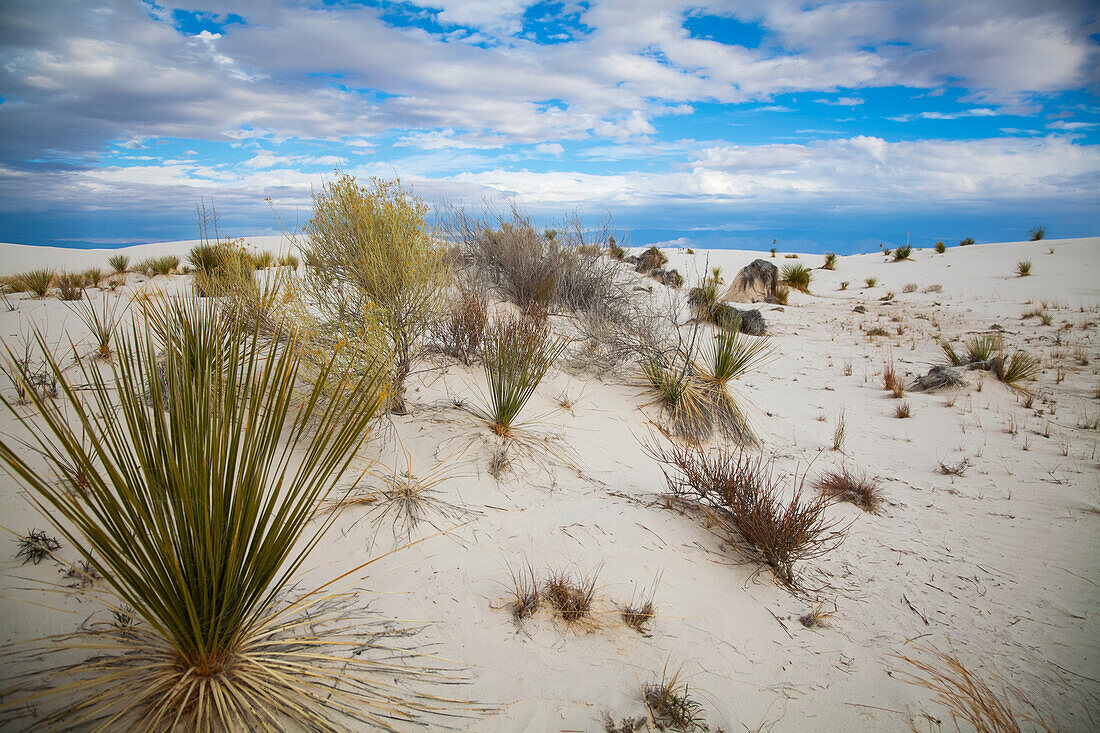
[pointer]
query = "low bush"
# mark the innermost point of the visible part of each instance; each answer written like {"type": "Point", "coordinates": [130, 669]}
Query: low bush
{"type": "Point", "coordinates": [843, 484]}
{"type": "Point", "coordinates": [902, 253]}
{"type": "Point", "coordinates": [941, 247]}
{"type": "Point", "coordinates": [967, 241]}
{"type": "Point", "coordinates": [571, 598]}
{"type": "Point", "coordinates": [782, 294]}
{"type": "Point", "coordinates": [1037, 233]}
{"type": "Point", "coordinates": [910, 288]}
{"type": "Point", "coordinates": [458, 332]}
{"type": "Point", "coordinates": [37, 282]}
{"type": "Point", "coordinates": [871, 282]}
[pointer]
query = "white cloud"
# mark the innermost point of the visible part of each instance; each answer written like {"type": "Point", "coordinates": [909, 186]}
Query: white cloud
{"type": "Point", "coordinates": [841, 101]}
{"type": "Point", "coordinates": [1064, 125]}
{"type": "Point", "coordinates": [933, 115]}
{"type": "Point", "coordinates": [550, 148]}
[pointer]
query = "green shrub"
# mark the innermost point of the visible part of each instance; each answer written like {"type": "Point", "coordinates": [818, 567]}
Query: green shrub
{"type": "Point", "coordinates": [70, 286]}
{"type": "Point", "coordinates": [871, 282]}
{"type": "Point", "coordinates": [902, 253]}
{"type": "Point", "coordinates": [264, 259]}
{"type": "Point", "coordinates": [830, 261]}
{"type": "Point", "coordinates": [773, 252]}
{"type": "Point", "coordinates": [1019, 367]}
{"type": "Point", "coordinates": [941, 247]}
{"type": "Point", "coordinates": [983, 347]}
{"type": "Point", "coordinates": [164, 265]}
{"type": "Point", "coordinates": [797, 276]}
{"type": "Point", "coordinates": [1023, 268]}
{"type": "Point", "coordinates": [1037, 233]}
{"type": "Point", "coordinates": [37, 282]}
{"type": "Point", "coordinates": [967, 241]}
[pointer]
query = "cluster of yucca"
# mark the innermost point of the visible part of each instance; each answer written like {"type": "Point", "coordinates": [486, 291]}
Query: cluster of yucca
{"type": "Point", "coordinates": [207, 459]}
{"type": "Point", "coordinates": [985, 351]}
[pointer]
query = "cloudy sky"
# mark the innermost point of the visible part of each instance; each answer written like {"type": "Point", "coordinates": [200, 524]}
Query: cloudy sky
{"type": "Point", "coordinates": [824, 125]}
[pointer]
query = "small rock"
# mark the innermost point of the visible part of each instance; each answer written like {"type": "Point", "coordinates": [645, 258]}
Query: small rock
{"type": "Point", "coordinates": [860, 309]}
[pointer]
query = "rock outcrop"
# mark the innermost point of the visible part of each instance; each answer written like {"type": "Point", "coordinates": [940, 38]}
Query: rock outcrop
{"type": "Point", "coordinates": [754, 283]}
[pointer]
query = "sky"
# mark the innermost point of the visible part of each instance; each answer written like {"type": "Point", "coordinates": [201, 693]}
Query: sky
{"type": "Point", "coordinates": [824, 126]}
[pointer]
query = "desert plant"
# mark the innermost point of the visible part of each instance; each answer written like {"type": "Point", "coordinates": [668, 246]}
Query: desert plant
{"type": "Point", "coordinates": [614, 251]}
{"type": "Point", "coordinates": [1036, 233]}
{"type": "Point", "coordinates": [517, 352]}
{"type": "Point", "coordinates": [887, 252]}
{"type": "Point", "coordinates": [797, 276]}
{"type": "Point", "coordinates": [843, 484]}
{"type": "Point", "coordinates": [571, 598]}
{"type": "Point", "coordinates": [953, 358]}
{"type": "Point", "coordinates": [738, 491]}
{"type": "Point", "coordinates": [651, 259]}
{"type": "Point", "coordinates": [288, 260]}
{"type": "Point", "coordinates": [888, 296]}
{"type": "Point", "coordinates": [933, 288]}
{"type": "Point", "coordinates": [958, 468]}
{"type": "Point", "coordinates": [844, 284]}
{"type": "Point", "coordinates": [902, 253]}
{"type": "Point", "coordinates": [523, 591]}
{"type": "Point", "coordinates": [639, 613]}
{"type": "Point", "coordinates": [902, 410]}
{"type": "Point", "coordinates": [830, 261]}
{"type": "Point", "coordinates": [966, 242]}
{"type": "Point", "coordinates": [773, 252]}
{"type": "Point", "coordinates": [983, 347]}
{"type": "Point", "coordinates": [671, 705]}
{"type": "Point", "coordinates": [941, 247]}
{"type": "Point", "coordinates": [264, 259]}
{"type": "Point", "coordinates": [871, 282]}
{"type": "Point", "coordinates": [1019, 367]}
{"type": "Point", "coordinates": [92, 276]}
{"type": "Point", "coordinates": [730, 356]}
{"type": "Point", "coordinates": [36, 546]}
{"type": "Point", "coordinates": [458, 332]}
{"type": "Point", "coordinates": [70, 286]}
{"type": "Point", "coordinates": [101, 321]}
{"type": "Point", "coordinates": [372, 258]}
{"type": "Point", "coordinates": [680, 395]}
{"type": "Point", "coordinates": [164, 265]}
{"type": "Point", "coordinates": [119, 263]}
{"type": "Point", "coordinates": [37, 282]}
{"type": "Point", "coordinates": [198, 520]}
{"type": "Point", "coordinates": [1023, 268]}
{"type": "Point", "coordinates": [839, 432]}
{"type": "Point", "coordinates": [782, 294]}
{"type": "Point", "coordinates": [970, 698]}
{"type": "Point", "coordinates": [910, 288]}
{"type": "Point", "coordinates": [891, 382]}
{"type": "Point", "coordinates": [816, 617]}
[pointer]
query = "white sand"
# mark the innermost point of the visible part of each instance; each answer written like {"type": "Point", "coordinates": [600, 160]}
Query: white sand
{"type": "Point", "coordinates": [1003, 561]}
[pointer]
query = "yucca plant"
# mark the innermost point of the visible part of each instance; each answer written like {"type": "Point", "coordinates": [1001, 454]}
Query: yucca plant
{"type": "Point", "coordinates": [119, 263]}
{"type": "Point", "coordinates": [264, 259]}
{"type": "Point", "coordinates": [830, 261]}
{"type": "Point", "coordinates": [983, 347]}
{"type": "Point", "coordinates": [949, 353]}
{"type": "Point", "coordinates": [1037, 233]}
{"type": "Point", "coordinates": [165, 264]}
{"type": "Point", "coordinates": [782, 294]}
{"type": "Point", "coordinates": [1023, 268]}
{"type": "Point", "coordinates": [902, 253]}
{"type": "Point", "coordinates": [798, 276]}
{"type": "Point", "coordinates": [681, 395]}
{"type": "Point", "coordinates": [200, 485]}
{"type": "Point", "coordinates": [37, 281]}
{"type": "Point", "coordinates": [70, 286]}
{"type": "Point", "coordinates": [730, 356]}
{"type": "Point", "coordinates": [101, 321]}
{"type": "Point", "coordinates": [1019, 367]}
{"type": "Point", "coordinates": [517, 352]}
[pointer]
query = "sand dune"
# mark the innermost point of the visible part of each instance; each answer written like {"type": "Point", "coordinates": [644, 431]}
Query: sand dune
{"type": "Point", "coordinates": [1001, 564]}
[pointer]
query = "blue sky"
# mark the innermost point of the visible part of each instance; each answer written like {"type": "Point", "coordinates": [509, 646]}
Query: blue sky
{"type": "Point", "coordinates": [823, 125]}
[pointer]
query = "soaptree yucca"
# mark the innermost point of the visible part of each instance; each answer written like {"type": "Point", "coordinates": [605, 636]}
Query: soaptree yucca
{"type": "Point", "coordinates": [204, 462]}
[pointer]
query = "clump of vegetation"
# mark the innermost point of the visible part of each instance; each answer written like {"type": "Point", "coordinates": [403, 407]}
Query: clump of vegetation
{"type": "Point", "coordinates": [730, 356]}
{"type": "Point", "coordinates": [101, 321]}
{"type": "Point", "coordinates": [830, 261]}
{"type": "Point", "coordinates": [840, 430]}
{"type": "Point", "coordinates": [615, 252]}
{"type": "Point", "coordinates": [902, 410]}
{"type": "Point", "coordinates": [738, 490]}
{"type": "Point", "coordinates": [374, 271]}
{"type": "Point", "coordinates": [933, 288]}
{"type": "Point", "coordinates": [844, 284]}
{"type": "Point", "coordinates": [639, 613]}
{"type": "Point", "coordinates": [92, 276]}
{"type": "Point", "coordinates": [459, 331]}
{"type": "Point", "coordinates": [517, 352]}
{"type": "Point", "coordinates": [958, 468]}
{"type": "Point", "coordinates": [782, 294]}
{"type": "Point", "coordinates": [871, 282]}
{"type": "Point", "coordinates": [968, 697]}
{"type": "Point", "coordinates": [164, 265]}
{"type": "Point", "coordinates": [36, 546]}
{"type": "Point", "coordinates": [910, 288]}
{"type": "Point", "coordinates": [264, 259]}
{"type": "Point", "coordinates": [797, 276]}
{"type": "Point", "coordinates": [288, 260]}
{"type": "Point", "coordinates": [887, 251]}
{"type": "Point", "coordinates": [791, 256]}
{"type": "Point", "coordinates": [524, 592]}
{"type": "Point", "coordinates": [966, 242]}
{"type": "Point", "coordinates": [902, 253]}
{"type": "Point", "coordinates": [843, 484]}
{"type": "Point", "coordinates": [37, 282]}
{"type": "Point", "coordinates": [941, 247]}
{"type": "Point", "coordinates": [119, 263]}
{"type": "Point", "coordinates": [671, 705]}
{"type": "Point", "coordinates": [651, 259]}
{"type": "Point", "coordinates": [1037, 233]}
{"type": "Point", "coordinates": [816, 617]}
{"type": "Point", "coordinates": [70, 286]}
{"type": "Point", "coordinates": [773, 252]}
{"type": "Point", "coordinates": [892, 382]}
{"type": "Point", "coordinates": [1023, 268]}
{"type": "Point", "coordinates": [571, 598]}
{"type": "Point", "coordinates": [239, 449]}
{"type": "Point", "coordinates": [1022, 365]}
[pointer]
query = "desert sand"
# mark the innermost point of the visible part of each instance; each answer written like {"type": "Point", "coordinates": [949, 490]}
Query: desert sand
{"type": "Point", "coordinates": [1000, 564]}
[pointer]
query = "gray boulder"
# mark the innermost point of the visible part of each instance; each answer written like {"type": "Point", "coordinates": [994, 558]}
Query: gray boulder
{"type": "Point", "coordinates": [754, 283]}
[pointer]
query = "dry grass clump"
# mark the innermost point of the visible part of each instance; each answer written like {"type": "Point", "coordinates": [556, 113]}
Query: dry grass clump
{"type": "Point", "coordinates": [459, 331]}
{"type": "Point", "coordinates": [910, 288]}
{"type": "Point", "coordinates": [36, 546]}
{"type": "Point", "coordinates": [843, 484]}
{"type": "Point", "coordinates": [671, 705]}
{"type": "Point", "coordinates": [738, 491]}
{"type": "Point", "coordinates": [797, 276]}
{"type": "Point", "coordinates": [571, 597]}
{"type": "Point", "coordinates": [524, 592]}
{"type": "Point", "coordinates": [933, 288]}
{"type": "Point", "coordinates": [970, 698]}
{"type": "Point", "coordinates": [958, 468]}
{"type": "Point", "coordinates": [782, 294]}
{"type": "Point", "coordinates": [1036, 234]}
{"type": "Point", "coordinates": [817, 616]}
{"type": "Point", "coordinates": [871, 282]}
{"type": "Point", "coordinates": [70, 285]}
{"type": "Point", "coordinates": [966, 242]}
{"type": "Point", "coordinates": [891, 382]}
{"type": "Point", "coordinates": [902, 410]}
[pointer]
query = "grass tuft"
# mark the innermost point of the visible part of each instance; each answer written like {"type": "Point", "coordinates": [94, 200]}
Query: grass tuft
{"type": "Point", "coordinates": [902, 253]}
{"type": "Point", "coordinates": [119, 263]}
{"type": "Point", "coordinates": [524, 592]}
{"type": "Point", "coordinates": [842, 484]}
{"type": "Point", "coordinates": [671, 705]}
{"type": "Point", "coordinates": [571, 598]}
{"type": "Point", "coordinates": [70, 286]}
{"type": "Point", "coordinates": [1023, 268]}
{"type": "Point", "coordinates": [902, 410]}
{"type": "Point", "coordinates": [871, 282]}
{"type": "Point", "coordinates": [36, 546]}
{"type": "Point", "coordinates": [797, 276]}
{"type": "Point", "coordinates": [36, 282]}
{"type": "Point", "coordinates": [830, 261]}
{"type": "Point", "coordinates": [1037, 233]}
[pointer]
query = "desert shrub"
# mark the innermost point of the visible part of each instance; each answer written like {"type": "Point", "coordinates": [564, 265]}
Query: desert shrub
{"type": "Point", "coordinates": [902, 410]}
{"type": "Point", "coordinates": [797, 276]}
{"type": "Point", "coordinates": [910, 288]}
{"type": "Point", "coordinates": [614, 251]}
{"type": "Point", "coordinates": [950, 355]}
{"type": "Point", "coordinates": [288, 260]}
{"type": "Point", "coordinates": [119, 263]}
{"type": "Point", "coordinates": [37, 282]}
{"type": "Point", "coordinates": [70, 286]}
{"type": "Point", "coordinates": [36, 546]}
{"type": "Point", "coordinates": [844, 284]}
{"type": "Point", "coordinates": [967, 241]}
{"type": "Point", "coordinates": [639, 613]}
{"type": "Point", "coordinates": [933, 288]}
{"type": "Point", "coordinates": [891, 382]}
{"type": "Point", "coordinates": [782, 294]}
{"type": "Point", "coordinates": [240, 452]}
{"type": "Point", "coordinates": [704, 298]}
{"type": "Point", "coordinates": [1023, 268]}
{"type": "Point", "coordinates": [459, 330]}
{"type": "Point", "coordinates": [264, 259]}
{"type": "Point", "coordinates": [902, 253]}
{"type": "Point", "coordinates": [830, 261]}
{"type": "Point", "coordinates": [791, 256]}
{"type": "Point", "coordinates": [671, 706]}
{"type": "Point", "coordinates": [164, 265]}
{"type": "Point", "coordinates": [517, 352]}
{"type": "Point", "coordinates": [205, 257]}
{"type": "Point", "coordinates": [730, 356]}
{"type": "Point", "coordinates": [373, 266]}
{"type": "Point", "coordinates": [92, 276]}
{"type": "Point", "coordinates": [871, 282]}
{"type": "Point", "coordinates": [968, 697]}
{"type": "Point", "coordinates": [772, 250]}
{"type": "Point", "coordinates": [738, 490]}
{"type": "Point", "coordinates": [983, 347]}
{"type": "Point", "coordinates": [941, 247]}
{"type": "Point", "coordinates": [651, 259]}
{"type": "Point", "coordinates": [571, 598]}
{"type": "Point", "coordinates": [225, 270]}
{"type": "Point", "coordinates": [1037, 233]}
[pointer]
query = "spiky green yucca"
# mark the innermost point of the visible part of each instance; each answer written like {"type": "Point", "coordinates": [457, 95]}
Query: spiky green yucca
{"type": "Point", "coordinates": [119, 263]}
{"type": "Point", "coordinates": [1023, 268]}
{"type": "Point", "coordinates": [517, 352]}
{"type": "Point", "coordinates": [983, 347]}
{"type": "Point", "coordinates": [902, 253]}
{"type": "Point", "coordinates": [207, 460]}
{"type": "Point", "coordinates": [731, 355]}
{"type": "Point", "coordinates": [830, 261]}
{"type": "Point", "coordinates": [37, 281]}
{"type": "Point", "coordinates": [1021, 366]}
{"type": "Point", "coordinates": [798, 276]}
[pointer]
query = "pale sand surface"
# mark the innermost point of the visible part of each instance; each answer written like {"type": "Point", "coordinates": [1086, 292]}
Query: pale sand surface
{"type": "Point", "coordinates": [1004, 561]}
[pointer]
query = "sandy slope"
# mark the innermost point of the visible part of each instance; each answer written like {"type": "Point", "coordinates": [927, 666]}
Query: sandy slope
{"type": "Point", "coordinates": [1003, 561]}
